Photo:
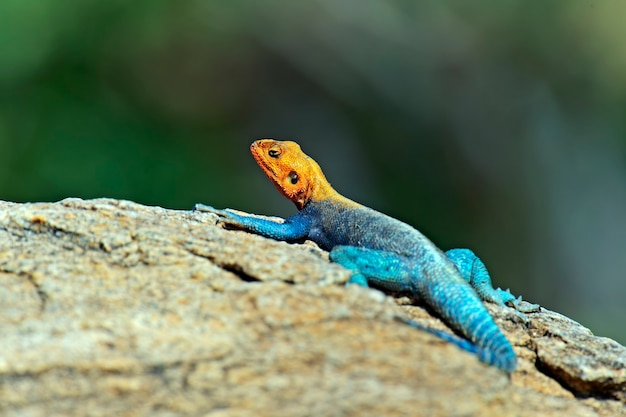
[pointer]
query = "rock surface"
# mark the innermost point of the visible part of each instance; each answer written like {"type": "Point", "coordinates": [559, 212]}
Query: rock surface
{"type": "Point", "coordinates": [109, 307]}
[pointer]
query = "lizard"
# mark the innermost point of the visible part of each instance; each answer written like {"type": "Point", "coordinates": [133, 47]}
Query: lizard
{"type": "Point", "coordinates": [383, 252]}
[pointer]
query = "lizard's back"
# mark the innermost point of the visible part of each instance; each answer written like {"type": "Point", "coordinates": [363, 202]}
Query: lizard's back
{"type": "Point", "coordinates": [343, 222]}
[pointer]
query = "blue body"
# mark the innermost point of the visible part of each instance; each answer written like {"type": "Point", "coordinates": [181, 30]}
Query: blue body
{"type": "Point", "coordinates": [391, 255]}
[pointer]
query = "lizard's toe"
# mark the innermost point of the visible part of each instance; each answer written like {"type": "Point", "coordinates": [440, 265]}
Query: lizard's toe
{"type": "Point", "coordinates": [208, 209]}
{"type": "Point", "coordinates": [519, 317]}
{"type": "Point", "coordinates": [525, 306]}
{"type": "Point", "coordinates": [204, 208]}
{"type": "Point", "coordinates": [223, 216]}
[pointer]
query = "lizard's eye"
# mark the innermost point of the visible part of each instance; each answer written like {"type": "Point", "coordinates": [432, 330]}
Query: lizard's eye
{"type": "Point", "coordinates": [274, 152]}
{"type": "Point", "coordinates": [293, 176]}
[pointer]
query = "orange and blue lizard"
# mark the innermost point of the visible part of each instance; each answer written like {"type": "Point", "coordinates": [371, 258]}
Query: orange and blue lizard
{"type": "Point", "coordinates": [383, 252]}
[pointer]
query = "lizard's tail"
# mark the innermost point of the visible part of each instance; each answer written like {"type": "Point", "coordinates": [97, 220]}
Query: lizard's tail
{"type": "Point", "coordinates": [503, 358]}
{"type": "Point", "coordinates": [493, 346]}
{"type": "Point", "coordinates": [462, 310]}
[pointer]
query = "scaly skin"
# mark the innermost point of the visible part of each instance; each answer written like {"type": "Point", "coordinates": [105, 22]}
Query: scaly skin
{"type": "Point", "coordinates": [383, 252]}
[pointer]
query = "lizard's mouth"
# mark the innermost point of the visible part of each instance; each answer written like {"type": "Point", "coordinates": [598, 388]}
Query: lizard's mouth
{"type": "Point", "coordinates": [259, 157]}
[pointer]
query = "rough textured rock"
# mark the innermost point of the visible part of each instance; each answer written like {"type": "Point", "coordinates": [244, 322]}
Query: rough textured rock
{"type": "Point", "coordinates": [112, 308]}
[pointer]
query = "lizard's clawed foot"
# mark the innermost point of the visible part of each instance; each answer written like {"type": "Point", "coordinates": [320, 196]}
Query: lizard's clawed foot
{"type": "Point", "coordinates": [518, 306]}
{"type": "Point", "coordinates": [225, 216]}
{"type": "Point", "coordinates": [209, 209]}
{"type": "Point", "coordinates": [206, 209]}
{"type": "Point", "coordinates": [517, 303]}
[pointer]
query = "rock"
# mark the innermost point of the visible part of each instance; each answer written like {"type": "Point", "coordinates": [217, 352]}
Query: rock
{"type": "Point", "coordinates": [112, 308]}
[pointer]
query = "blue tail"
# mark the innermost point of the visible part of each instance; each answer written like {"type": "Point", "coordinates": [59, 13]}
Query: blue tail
{"type": "Point", "coordinates": [461, 308]}
{"type": "Point", "coordinates": [503, 358]}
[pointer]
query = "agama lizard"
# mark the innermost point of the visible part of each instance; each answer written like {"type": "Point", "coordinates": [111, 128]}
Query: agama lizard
{"type": "Point", "coordinates": [383, 252]}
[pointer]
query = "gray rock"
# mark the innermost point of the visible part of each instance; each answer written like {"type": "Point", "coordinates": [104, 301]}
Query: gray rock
{"type": "Point", "coordinates": [112, 308]}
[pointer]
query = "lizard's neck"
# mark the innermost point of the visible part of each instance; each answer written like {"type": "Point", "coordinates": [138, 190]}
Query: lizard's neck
{"type": "Point", "coordinates": [321, 190]}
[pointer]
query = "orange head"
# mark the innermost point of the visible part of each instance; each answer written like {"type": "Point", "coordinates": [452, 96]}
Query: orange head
{"type": "Point", "coordinates": [297, 176]}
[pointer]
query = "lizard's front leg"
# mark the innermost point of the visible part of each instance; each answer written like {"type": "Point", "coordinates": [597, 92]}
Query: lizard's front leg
{"type": "Point", "coordinates": [475, 272]}
{"type": "Point", "coordinates": [293, 228]}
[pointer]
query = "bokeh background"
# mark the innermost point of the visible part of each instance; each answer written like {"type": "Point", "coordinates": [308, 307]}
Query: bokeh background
{"type": "Point", "coordinates": [499, 126]}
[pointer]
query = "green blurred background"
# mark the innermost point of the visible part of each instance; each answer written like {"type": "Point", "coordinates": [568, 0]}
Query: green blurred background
{"type": "Point", "coordinates": [499, 126]}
